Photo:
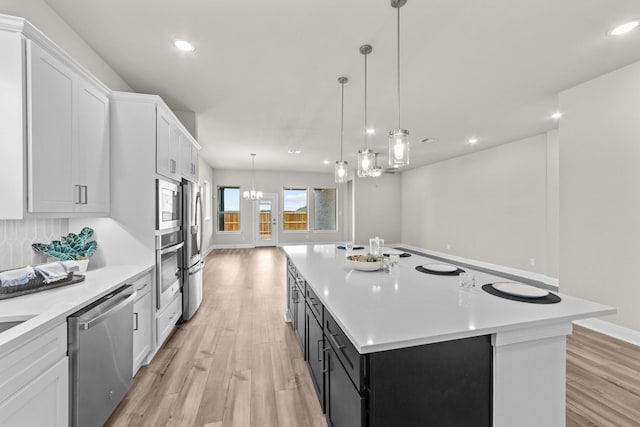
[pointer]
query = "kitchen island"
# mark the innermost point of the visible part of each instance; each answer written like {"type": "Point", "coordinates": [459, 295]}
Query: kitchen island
{"type": "Point", "coordinates": [418, 349]}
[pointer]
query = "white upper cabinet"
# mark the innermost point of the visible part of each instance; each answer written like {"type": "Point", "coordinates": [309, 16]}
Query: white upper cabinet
{"type": "Point", "coordinates": [51, 132]}
{"type": "Point", "coordinates": [92, 161]}
{"type": "Point", "coordinates": [188, 159]}
{"type": "Point", "coordinates": [65, 112]}
{"type": "Point", "coordinates": [167, 144]}
{"type": "Point", "coordinates": [176, 150]}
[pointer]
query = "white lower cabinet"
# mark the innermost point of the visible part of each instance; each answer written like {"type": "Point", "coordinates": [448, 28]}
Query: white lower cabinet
{"type": "Point", "coordinates": [42, 402]}
{"type": "Point", "coordinates": [34, 381]}
{"type": "Point", "coordinates": [141, 322]}
{"type": "Point", "coordinates": [166, 320]}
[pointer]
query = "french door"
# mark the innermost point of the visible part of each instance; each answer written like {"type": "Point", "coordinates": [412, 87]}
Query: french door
{"type": "Point", "coordinates": [266, 220]}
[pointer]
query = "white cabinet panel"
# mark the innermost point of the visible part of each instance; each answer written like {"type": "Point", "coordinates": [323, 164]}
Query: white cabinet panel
{"type": "Point", "coordinates": [34, 381]}
{"type": "Point", "coordinates": [188, 159]}
{"type": "Point", "coordinates": [167, 145]}
{"type": "Point", "coordinates": [141, 327]}
{"type": "Point", "coordinates": [166, 320]}
{"type": "Point", "coordinates": [43, 402]}
{"type": "Point", "coordinates": [51, 132]}
{"type": "Point", "coordinates": [92, 154]}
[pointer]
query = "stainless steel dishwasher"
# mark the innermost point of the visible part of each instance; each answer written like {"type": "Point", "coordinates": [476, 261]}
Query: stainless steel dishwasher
{"type": "Point", "coordinates": [100, 357]}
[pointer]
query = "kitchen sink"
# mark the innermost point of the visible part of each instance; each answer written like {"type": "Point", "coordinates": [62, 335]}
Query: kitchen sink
{"type": "Point", "coordinates": [8, 324]}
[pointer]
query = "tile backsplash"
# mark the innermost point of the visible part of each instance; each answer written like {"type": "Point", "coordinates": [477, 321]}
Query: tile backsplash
{"type": "Point", "coordinates": [16, 237]}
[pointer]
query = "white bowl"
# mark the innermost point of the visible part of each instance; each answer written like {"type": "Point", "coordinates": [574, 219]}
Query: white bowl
{"type": "Point", "coordinates": [366, 266]}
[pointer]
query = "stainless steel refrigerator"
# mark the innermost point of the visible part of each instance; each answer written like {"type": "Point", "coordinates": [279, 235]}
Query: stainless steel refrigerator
{"type": "Point", "coordinates": [193, 263]}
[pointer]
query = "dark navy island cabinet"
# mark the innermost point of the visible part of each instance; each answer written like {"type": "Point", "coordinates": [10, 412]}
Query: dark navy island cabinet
{"type": "Point", "coordinates": [441, 384]}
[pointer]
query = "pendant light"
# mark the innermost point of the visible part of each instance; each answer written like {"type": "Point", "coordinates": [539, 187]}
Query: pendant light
{"type": "Point", "coordinates": [342, 167]}
{"type": "Point", "coordinates": [253, 194]}
{"type": "Point", "coordinates": [398, 138]}
{"type": "Point", "coordinates": [375, 170]}
{"type": "Point", "coordinates": [366, 157]}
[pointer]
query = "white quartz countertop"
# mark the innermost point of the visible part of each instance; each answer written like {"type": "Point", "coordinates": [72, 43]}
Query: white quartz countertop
{"type": "Point", "coordinates": [45, 309]}
{"type": "Point", "coordinates": [387, 310]}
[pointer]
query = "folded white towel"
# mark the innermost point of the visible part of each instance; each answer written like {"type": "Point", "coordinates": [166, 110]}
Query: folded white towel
{"type": "Point", "coordinates": [52, 272]}
{"type": "Point", "coordinates": [70, 266]}
{"type": "Point", "coordinates": [16, 277]}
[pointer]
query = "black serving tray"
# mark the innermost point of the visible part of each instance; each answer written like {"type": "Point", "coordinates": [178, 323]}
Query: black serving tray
{"type": "Point", "coordinates": [38, 285]}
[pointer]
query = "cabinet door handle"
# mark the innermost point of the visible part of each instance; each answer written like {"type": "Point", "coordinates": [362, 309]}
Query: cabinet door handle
{"type": "Point", "coordinates": [318, 350]}
{"type": "Point", "coordinates": [326, 366]}
{"type": "Point", "coordinates": [135, 318]}
{"type": "Point", "coordinates": [85, 192]}
{"type": "Point", "coordinates": [78, 192]}
{"type": "Point", "coordinates": [335, 341]}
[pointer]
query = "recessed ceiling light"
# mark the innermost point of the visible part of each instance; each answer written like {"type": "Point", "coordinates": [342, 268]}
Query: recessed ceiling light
{"type": "Point", "coordinates": [294, 151]}
{"type": "Point", "coordinates": [624, 28]}
{"type": "Point", "coordinates": [473, 140]}
{"type": "Point", "coordinates": [557, 115]}
{"type": "Point", "coordinates": [184, 45]}
{"type": "Point", "coordinates": [326, 162]}
{"type": "Point", "coordinates": [371, 131]}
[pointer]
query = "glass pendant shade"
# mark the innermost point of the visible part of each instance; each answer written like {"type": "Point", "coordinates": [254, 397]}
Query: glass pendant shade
{"type": "Point", "coordinates": [375, 170]}
{"type": "Point", "coordinates": [342, 171]}
{"type": "Point", "coordinates": [366, 160]}
{"type": "Point", "coordinates": [398, 148]}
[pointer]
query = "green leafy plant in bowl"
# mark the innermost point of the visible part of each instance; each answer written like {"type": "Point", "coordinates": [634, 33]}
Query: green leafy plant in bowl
{"type": "Point", "coordinates": [69, 247]}
{"type": "Point", "coordinates": [368, 262]}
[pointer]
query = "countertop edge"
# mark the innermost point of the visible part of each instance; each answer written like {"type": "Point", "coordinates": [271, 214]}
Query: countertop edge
{"type": "Point", "coordinates": [45, 320]}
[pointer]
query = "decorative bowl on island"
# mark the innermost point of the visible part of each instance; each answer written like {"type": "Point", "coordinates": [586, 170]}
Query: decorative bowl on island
{"type": "Point", "coordinates": [366, 262]}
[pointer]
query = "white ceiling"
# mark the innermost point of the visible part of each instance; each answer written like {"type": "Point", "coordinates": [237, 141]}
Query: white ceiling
{"type": "Point", "coordinates": [264, 74]}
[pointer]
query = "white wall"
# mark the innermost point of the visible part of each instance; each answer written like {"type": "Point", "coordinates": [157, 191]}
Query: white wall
{"type": "Point", "coordinates": [377, 208]}
{"type": "Point", "coordinates": [489, 206]}
{"type": "Point", "coordinates": [206, 175]}
{"type": "Point", "coordinates": [46, 20]}
{"type": "Point", "coordinates": [600, 192]}
{"type": "Point", "coordinates": [274, 182]}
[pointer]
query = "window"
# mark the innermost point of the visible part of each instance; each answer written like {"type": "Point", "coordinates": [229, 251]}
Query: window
{"type": "Point", "coordinates": [228, 208]}
{"type": "Point", "coordinates": [324, 209]}
{"type": "Point", "coordinates": [294, 216]}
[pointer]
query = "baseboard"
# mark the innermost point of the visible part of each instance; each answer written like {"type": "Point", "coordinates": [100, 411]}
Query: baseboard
{"type": "Point", "coordinates": [232, 246]}
{"type": "Point", "coordinates": [611, 329]}
{"type": "Point", "coordinates": [549, 282]}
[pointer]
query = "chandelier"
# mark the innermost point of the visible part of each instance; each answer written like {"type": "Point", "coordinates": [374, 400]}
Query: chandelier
{"type": "Point", "coordinates": [253, 194]}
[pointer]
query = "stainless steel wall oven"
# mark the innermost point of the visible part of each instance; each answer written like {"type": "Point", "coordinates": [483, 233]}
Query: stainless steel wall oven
{"type": "Point", "coordinates": [169, 259]}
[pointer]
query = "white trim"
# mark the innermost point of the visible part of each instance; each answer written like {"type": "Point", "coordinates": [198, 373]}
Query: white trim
{"type": "Point", "coordinates": [550, 281]}
{"type": "Point", "coordinates": [615, 331]}
{"type": "Point", "coordinates": [233, 246]}
{"type": "Point", "coordinates": [28, 30]}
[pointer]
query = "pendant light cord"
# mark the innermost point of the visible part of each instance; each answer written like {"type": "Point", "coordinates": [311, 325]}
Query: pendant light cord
{"type": "Point", "coordinates": [398, 68]}
{"type": "Point", "coordinates": [253, 171]}
{"type": "Point", "coordinates": [365, 104]}
{"type": "Point", "coordinates": [341, 119]}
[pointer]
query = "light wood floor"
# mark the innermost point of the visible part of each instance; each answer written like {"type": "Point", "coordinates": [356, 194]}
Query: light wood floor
{"type": "Point", "coordinates": [603, 380]}
{"type": "Point", "coordinates": [237, 363]}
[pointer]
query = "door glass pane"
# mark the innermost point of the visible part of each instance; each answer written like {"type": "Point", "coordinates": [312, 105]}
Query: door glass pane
{"type": "Point", "coordinates": [265, 219]}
